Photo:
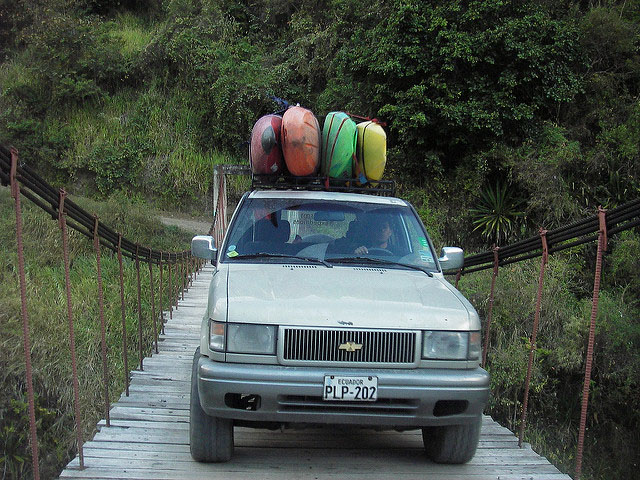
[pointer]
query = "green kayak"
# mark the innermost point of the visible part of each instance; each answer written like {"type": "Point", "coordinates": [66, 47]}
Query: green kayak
{"type": "Point", "coordinates": [339, 138]}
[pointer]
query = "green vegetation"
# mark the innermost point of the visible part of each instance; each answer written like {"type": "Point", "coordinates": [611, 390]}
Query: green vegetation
{"type": "Point", "coordinates": [497, 214]}
{"type": "Point", "coordinates": [503, 116]}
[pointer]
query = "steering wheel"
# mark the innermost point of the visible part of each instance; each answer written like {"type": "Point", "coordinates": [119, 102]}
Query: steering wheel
{"type": "Point", "coordinates": [379, 251]}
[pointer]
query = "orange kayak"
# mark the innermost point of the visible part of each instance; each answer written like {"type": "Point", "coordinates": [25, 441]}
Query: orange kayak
{"type": "Point", "coordinates": [301, 141]}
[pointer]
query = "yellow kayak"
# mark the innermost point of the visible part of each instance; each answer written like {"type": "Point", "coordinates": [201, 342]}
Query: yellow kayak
{"type": "Point", "coordinates": [371, 152]}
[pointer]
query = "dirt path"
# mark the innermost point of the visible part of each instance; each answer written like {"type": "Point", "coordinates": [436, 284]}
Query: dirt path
{"type": "Point", "coordinates": [197, 227]}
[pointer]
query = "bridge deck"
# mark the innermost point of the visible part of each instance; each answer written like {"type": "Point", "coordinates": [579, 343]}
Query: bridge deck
{"type": "Point", "coordinates": [149, 433]}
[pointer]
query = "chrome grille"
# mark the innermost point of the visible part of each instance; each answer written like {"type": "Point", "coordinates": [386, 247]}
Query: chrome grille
{"type": "Point", "coordinates": [322, 345]}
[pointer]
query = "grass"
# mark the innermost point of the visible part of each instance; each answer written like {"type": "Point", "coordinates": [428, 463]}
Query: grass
{"type": "Point", "coordinates": [14, 73]}
{"type": "Point", "coordinates": [132, 32]}
{"type": "Point", "coordinates": [46, 304]}
{"type": "Point", "coordinates": [145, 140]}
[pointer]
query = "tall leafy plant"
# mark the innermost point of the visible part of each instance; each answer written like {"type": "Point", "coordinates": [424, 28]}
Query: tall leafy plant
{"type": "Point", "coordinates": [498, 213]}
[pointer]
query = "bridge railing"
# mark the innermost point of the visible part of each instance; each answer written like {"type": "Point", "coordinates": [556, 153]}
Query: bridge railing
{"type": "Point", "coordinates": [597, 228]}
{"type": "Point", "coordinates": [180, 267]}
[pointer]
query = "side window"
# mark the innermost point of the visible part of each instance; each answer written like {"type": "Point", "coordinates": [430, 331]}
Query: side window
{"type": "Point", "coordinates": [419, 244]}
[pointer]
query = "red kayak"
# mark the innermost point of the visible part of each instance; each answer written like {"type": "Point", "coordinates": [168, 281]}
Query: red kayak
{"type": "Point", "coordinates": [301, 141]}
{"type": "Point", "coordinates": [265, 150]}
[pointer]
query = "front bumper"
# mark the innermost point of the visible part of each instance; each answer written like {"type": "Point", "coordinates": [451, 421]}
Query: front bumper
{"type": "Point", "coordinates": [406, 397]}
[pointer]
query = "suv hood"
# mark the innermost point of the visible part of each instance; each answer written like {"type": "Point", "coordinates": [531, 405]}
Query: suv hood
{"type": "Point", "coordinates": [362, 297]}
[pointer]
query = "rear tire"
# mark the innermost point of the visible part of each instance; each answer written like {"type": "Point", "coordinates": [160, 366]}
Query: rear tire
{"type": "Point", "coordinates": [452, 443]}
{"type": "Point", "coordinates": [210, 438]}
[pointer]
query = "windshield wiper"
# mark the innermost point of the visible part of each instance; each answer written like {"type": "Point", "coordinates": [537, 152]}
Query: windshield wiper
{"type": "Point", "coordinates": [282, 255]}
{"type": "Point", "coordinates": [377, 261]}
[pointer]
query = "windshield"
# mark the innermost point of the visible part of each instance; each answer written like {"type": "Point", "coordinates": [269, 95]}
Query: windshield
{"type": "Point", "coordinates": [338, 232]}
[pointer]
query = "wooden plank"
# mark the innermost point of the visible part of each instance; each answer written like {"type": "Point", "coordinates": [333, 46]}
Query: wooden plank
{"type": "Point", "coordinates": [119, 408]}
{"type": "Point", "coordinates": [257, 460]}
{"type": "Point", "coordinates": [190, 333]}
{"type": "Point", "coordinates": [174, 433]}
{"type": "Point", "coordinates": [347, 436]}
{"type": "Point", "coordinates": [123, 414]}
{"type": "Point", "coordinates": [128, 448]}
{"type": "Point", "coordinates": [182, 327]}
{"type": "Point", "coordinates": [173, 359]}
{"type": "Point", "coordinates": [166, 387]}
{"type": "Point", "coordinates": [185, 456]}
{"type": "Point", "coordinates": [278, 474]}
{"type": "Point", "coordinates": [165, 378]}
{"type": "Point", "coordinates": [156, 374]}
{"type": "Point", "coordinates": [146, 424]}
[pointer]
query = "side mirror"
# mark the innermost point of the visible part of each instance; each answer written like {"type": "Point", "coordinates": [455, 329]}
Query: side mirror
{"type": "Point", "coordinates": [451, 258]}
{"type": "Point", "coordinates": [202, 247]}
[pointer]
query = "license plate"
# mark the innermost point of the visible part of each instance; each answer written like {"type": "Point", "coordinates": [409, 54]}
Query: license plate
{"type": "Point", "coordinates": [364, 389]}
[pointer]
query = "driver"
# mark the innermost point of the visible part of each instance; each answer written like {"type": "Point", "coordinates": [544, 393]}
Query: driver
{"type": "Point", "coordinates": [379, 236]}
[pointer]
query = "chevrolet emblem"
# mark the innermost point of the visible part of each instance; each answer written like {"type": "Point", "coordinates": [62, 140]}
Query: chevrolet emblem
{"type": "Point", "coordinates": [350, 346]}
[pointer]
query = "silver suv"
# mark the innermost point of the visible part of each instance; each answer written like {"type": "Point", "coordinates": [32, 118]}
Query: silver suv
{"type": "Point", "coordinates": [331, 308]}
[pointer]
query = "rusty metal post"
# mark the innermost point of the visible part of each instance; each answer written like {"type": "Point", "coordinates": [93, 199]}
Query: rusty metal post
{"type": "Point", "coordinates": [26, 341]}
{"type": "Point", "coordinates": [187, 275]}
{"type": "Point", "coordinates": [458, 275]}
{"type": "Point", "coordinates": [536, 321]}
{"type": "Point", "coordinates": [170, 290]}
{"type": "Point", "coordinates": [188, 267]}
{"type": "Point", "coordinates": [183, 274]}
{"type": "Point", "coordinates": [139, 306]}
{"type": "Point", "coordinates": [125, 354]}
{"type": "Point", "coordinates": [153, 303]}
{"type": "Point", "coordinates": [223, 202]}
{"type": "Point", "coordinates": [103, 339]}
{"type": "Point", "coordinates": [161, 295]}
{"type": "Point", "coordinates": [178, 283]}
{"type": "Point", "coordinates": [602, 247]}
{"type": "Point", "coordinates": [62, 221]}
{"type": "Point", "coordinates": [496, 259]}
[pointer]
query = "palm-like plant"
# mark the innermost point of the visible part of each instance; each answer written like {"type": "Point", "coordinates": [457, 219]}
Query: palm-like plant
{"type": "Point", "coordinates": [497, 213]}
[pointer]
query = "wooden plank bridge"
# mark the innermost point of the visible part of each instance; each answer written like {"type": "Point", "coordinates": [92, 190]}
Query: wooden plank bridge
{"type": "Point", "coordinates": [149, 433]}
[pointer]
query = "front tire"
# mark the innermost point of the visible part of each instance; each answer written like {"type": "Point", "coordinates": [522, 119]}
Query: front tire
{"type": "Point", "coordinates": [452, 443]}
{"type": "Point", "coordinates": [210, 438]}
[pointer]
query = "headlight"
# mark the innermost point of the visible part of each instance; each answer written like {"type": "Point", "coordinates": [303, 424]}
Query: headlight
{"type": "Point", "coordinates": [242, 338]}
{"type": "Point", "coordinates": [447, 345]}
{"type": "Point", "coordinates": [216, 335]}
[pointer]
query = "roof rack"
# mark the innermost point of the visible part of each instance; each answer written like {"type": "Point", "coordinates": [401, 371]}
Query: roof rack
{"type": "Point", "coordinates": [385, 188]}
